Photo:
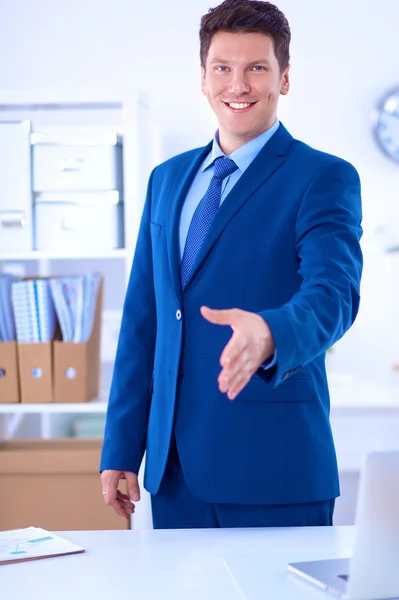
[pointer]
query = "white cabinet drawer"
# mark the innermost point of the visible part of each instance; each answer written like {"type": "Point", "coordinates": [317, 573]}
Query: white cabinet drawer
{"type": "Point", "coordinates": [74, 227]}
{"type": "Point", "coordinates": [76, 168]}
{"type": "Point", "coordinates": [15, 187]}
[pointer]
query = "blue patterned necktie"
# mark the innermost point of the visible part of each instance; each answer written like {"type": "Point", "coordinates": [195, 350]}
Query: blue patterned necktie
{"type": "Point", "coordinates": [203, 216]}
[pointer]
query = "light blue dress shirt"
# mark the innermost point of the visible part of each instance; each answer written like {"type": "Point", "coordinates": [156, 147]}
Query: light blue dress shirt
{"type": "Point", "coordinates": [243, 157]}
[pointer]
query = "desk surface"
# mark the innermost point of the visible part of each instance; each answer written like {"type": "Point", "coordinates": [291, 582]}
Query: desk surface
{"type": "Point", "coordinates": [206, 564]}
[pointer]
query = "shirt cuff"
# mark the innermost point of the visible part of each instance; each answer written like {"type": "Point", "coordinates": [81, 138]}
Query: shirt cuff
{"type": "Point", "coordinates": [270, 362]}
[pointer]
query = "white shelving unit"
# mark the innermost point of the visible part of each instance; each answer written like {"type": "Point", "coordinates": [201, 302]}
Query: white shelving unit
{"type": "Point", "coordinates": [95, 406]}
{"type": "Point", "coordinates": [48, 110]}
{"type": "Point", "coordinates": [43, 256]}
{"type": "Point", "coordinates": [13, 414]}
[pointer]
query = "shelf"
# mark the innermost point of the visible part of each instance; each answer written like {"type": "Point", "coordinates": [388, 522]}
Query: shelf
{"type": "Point", "coordinates": [98, 405]}
{"type": "Point", "coordinates": [358, 399]}
{"type": "Point", "coordinates": [53, 255]}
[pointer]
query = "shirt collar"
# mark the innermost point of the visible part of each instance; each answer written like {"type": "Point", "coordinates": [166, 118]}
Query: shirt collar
{"type": "Point", "coordinates": [244, 155]}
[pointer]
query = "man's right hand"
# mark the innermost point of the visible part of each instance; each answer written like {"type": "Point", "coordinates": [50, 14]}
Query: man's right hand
{"type": "Point", "coordinates": [122, 504]}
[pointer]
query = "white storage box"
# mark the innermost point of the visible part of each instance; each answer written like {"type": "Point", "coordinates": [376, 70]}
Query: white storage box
{"type": "Point", "coordinates": [78, 222]}
{"type": "Point", "coordinates": [76, 163]}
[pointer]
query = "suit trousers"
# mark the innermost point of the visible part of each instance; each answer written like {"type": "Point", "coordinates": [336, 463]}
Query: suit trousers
{"type": "Point", "coordinates": [175, 507]}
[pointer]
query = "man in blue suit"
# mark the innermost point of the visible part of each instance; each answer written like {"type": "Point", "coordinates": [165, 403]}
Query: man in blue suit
{"type": "Point", "coordinates": [246, 270]}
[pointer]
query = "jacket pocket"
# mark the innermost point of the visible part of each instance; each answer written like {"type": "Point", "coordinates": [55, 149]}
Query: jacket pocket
{"type": "Point", "coordinates": [295, 389]}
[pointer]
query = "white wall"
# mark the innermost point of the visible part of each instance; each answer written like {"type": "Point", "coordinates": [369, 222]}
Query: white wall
{"type": "Point", "coordinates": [344, 57]}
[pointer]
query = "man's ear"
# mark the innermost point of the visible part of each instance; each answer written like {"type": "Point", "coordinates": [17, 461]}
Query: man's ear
{"type": "Point", "coordinates": [285, 82]}
{"type": "Point", "coordinates": [203, 84]}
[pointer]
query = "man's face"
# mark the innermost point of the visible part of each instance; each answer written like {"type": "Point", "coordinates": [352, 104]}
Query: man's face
{"type": "Point", "coordinates": [242, 82]}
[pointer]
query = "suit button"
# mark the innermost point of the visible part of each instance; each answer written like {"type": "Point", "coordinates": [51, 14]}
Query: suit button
{"type": "Point", "coordinates": [178, 315]}
{"type": "Point", "coordinates": [180, 375]}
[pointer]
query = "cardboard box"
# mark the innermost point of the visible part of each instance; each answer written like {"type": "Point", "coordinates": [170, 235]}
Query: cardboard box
{"type": "Point", "coordinates": [77, 366]}
{"type": "Point", "coordinates": [54, 484]}
{"type": "Point", "coordinates": [36, 372]}
{"type": "Point", "coordinates": [9, 381]}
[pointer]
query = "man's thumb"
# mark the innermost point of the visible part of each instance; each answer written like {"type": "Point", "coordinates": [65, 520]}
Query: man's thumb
{"type": "Point", "coordinates": [133, 487]}
{"type": "Point", "coordinates": [218, 317]}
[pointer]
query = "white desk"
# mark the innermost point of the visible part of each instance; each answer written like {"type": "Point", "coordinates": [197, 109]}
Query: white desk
{"type": "Point", "coordinates": [206, 564]}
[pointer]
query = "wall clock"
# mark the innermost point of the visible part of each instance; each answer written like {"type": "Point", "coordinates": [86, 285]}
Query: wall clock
{"type": "Point", "coordinates": [386, 124]}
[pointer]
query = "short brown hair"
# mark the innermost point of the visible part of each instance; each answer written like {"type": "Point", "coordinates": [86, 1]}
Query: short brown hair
{"type": "Point", "coordinates": [247, 16]}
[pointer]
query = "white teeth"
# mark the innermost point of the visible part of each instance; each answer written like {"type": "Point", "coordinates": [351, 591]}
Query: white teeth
{"type": "Point", "coordinates": [236, 105]}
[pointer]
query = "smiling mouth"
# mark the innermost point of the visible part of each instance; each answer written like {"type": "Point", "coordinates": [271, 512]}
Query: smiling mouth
{"type": "Point", "coordinates": [239, 107]}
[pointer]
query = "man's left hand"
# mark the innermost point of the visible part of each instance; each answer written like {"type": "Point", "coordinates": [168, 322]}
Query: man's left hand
{"type": "Point", "coordinates": [248, 348]}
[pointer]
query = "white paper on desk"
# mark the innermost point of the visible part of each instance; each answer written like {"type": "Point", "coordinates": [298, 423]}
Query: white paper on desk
{"type": "Point", "coordinates": [33, 542]}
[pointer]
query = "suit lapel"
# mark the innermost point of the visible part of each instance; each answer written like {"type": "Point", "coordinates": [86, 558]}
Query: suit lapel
{"type": "Point", "coordinates": [184, 178]}
{"type": "Point", "coordinates": [269, 159]}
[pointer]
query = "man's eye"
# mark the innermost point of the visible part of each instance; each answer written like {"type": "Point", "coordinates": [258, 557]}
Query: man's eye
{"type": "Point", "coordinates": [221, 68]}
{"type": "Point", "coordinates": [258, 68]}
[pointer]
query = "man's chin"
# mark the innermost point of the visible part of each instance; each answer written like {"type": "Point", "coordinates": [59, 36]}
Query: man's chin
{"type": "Point", "coordinates": [244, 134]}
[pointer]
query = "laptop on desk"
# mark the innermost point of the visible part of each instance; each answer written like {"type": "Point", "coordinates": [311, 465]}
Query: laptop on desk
{"type": "Point", "coordinates": [373, 571]}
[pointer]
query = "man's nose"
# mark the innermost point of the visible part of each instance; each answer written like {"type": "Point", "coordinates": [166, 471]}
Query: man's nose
{"type": "Point", "coordinates": [239, 84]}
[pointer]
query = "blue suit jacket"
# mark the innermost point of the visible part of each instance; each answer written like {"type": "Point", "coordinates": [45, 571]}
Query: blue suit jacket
{"type": "Point", "coordinates": [284, 244]}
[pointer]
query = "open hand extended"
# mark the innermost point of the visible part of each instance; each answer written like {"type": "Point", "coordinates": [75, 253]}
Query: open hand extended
{"type": "Point", "coordinates": [248, 348]}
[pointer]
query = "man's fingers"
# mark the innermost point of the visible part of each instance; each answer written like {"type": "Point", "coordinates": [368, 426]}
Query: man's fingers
{"type": "Point", "coordinates": [122, 505]}
{"type": "Point", "coordinates": [237, 384]}
{"type": "Point", "coordinates": [229, 380]}
{"type": "Point", "coordinates": [232, 350]}
{"type": "Point", "coordinates": [123, 497]}
{"type": "Point", "coordinates": [125, 502]}
{"type": "Point", "coordinates": [113, 497]}
{"type": "Point", "coordinates": [109, 481]}
{"type": "Point", "coordinates": [133, 486]}
{"type": "Point", "coordinates": [113, 500]}
{"type": "Point", "coordinates": [123, 510]}
{"type": "Point", "coordinates": [119, 509]}
{"type": "Point", "coordinates": [220, 317]}
{"type": "Point", "coordinates": [127, 506]}
{"type": "Point", "coordinates": [228, 375]}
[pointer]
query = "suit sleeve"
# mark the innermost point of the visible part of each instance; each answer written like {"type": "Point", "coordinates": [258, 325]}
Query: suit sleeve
{"type": "Point", "coordinates": [328, 233]}
{"type": "Point", "coordinates": [130, 395]}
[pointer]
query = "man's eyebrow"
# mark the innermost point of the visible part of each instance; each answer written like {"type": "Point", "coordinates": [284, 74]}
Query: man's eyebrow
{"type": "Point", "coordinates": [219, 60]}
{"type": "Point", "coordinates": [260, 61]}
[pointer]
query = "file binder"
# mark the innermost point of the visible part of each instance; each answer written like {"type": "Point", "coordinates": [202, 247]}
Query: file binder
{"type": "Point", "coordinates": [7, 323]}
{"type": "Point", "coordinates": [47, 318]}
{"type": "Point", "coordinates": [77, 365]}
{"type": "Point", "coordinates": [36, 372]}
{"type": "Point", "coordinates": [25, 311]}
{"type": "Point", "coordinates": [9, 380]}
